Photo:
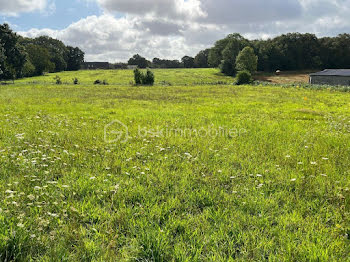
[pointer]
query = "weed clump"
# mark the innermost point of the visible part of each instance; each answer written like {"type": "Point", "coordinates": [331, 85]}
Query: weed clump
{"type": "Point", "coordinates": [75, 81]}
{"type": "Point", "coordinates": [143, 79]}
{"type": "Point", "coordinates": [99, 82]}
{"type": "Point", "coordinates": [58, 80]}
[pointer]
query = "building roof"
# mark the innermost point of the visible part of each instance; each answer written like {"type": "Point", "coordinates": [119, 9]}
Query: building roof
{"type": "Point", "coordinates": [333, 72]}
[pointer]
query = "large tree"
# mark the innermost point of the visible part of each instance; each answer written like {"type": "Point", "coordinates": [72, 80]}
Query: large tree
{"type": "Point", "coordinates": [188, 62]}
{"type": "Point", "coordinates": [201, 59]}
{"type": "Point", "coordinates": [217, 53]}
{"type": "Point", "coordinates": [234, 45]}
{"type": "Point", "coordinates": [75, 58]}
{"type": "Point", "coordinates": [140, 61]}
{"type": "Point", "coordinates": [13, 56]}
{"type": "Point", "coordinates": [2, 58]}
{"type": "Point", "coordinates": [57, 50]}
{"type": "Point", "coordinates": [40, 59]}
{"type": "Point", "coordinates": [247, 60]}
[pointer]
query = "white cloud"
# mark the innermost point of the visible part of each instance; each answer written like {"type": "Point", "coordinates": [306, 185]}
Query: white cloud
{"type": "Point", "coordinates": [171, 9]}
{"type": "Point", "coordinates": [14, 7]}
{"type": "Point", "coordinates": [249, 11]}
{"type": "Point", "coordinates": [106, 38]}
{"type": "Point", "coordinates": [174, 28]}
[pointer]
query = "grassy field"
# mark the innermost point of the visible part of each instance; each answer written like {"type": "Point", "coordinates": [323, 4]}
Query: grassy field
{"type": "Point", "coordinates": [124, 77]}
{"type": "Point", "coordinates": [201, 172]}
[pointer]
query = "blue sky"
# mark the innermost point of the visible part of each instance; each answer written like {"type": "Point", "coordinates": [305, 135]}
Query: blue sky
{"type": "Point", "coordinates": [58, 15]}
{"type": "Point", "coordinates": [114, 30]}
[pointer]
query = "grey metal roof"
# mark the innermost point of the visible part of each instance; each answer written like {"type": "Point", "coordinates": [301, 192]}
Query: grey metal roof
{"type": "Point", "coordinates": [333, 72]}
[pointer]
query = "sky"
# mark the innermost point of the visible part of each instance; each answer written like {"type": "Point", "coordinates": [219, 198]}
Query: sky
{"type": "Point", "coordinates": [114, 30]}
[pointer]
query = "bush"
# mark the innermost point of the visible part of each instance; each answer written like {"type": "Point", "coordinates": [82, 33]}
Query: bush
{"type": "Point", "coordinates": [99, 82]}
{"type": "Point", "coordinates": [58, 80]}
{"type": "Point", "coordinates": [75, 81]}
{"type": "Point", "coordinates": [148, 79]}
{"type": "Point", "coordinates": [243, 77]}
{"type": "Point", "coordinates": [138, 76]}
{"type": "Point", "coordinates": [143, 79]}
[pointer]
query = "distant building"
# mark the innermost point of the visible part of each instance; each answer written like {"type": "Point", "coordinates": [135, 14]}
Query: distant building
{"type": "Point", "coordinates": [132, 67]}
{"type": "Point", "coordinates": [95, 65]}
{"type": "Point", "coordinates": [333, 77]}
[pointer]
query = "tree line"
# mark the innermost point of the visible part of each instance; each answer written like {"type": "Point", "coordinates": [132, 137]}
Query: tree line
{"type": "Point", "coordinates": [24, 57]}
{"type": "Point", "coordinates": [293, 51]}
{"type": "Point", "coordinates": [200, 61]}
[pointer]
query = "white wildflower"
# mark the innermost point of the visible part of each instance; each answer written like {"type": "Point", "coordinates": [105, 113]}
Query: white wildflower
{"type": "Point", "coordinates": [188, 155]}
{"type": "Point", "coordinates": [31, 197]}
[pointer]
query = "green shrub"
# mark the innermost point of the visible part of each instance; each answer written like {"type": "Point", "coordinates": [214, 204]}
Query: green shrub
{"type": "Point", "coordinates": [243, 77]}
{"type": "Point", "coordinates": [99, 82]}
{"type": "Point", "coordinates": [148, 79]}
{"type": "Point", "coordinates": [138, 76]}
{"type": "Point", "coordinates": [143, 79]}
{"type": "Point", "coordinates": [75, 81]}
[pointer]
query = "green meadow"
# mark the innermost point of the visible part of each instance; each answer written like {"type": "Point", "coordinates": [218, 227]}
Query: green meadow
{"type": "Point", "coordinates": [190, 169]}
{"type": "Point", "coordinates": [124, 77]}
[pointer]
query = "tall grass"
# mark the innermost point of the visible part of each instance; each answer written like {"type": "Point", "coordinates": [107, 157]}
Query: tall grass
{"type": "Point", "coordinates": [206, 173]}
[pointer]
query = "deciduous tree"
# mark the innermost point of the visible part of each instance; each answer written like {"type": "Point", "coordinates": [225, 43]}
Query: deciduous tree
{"type": "Point", "coordinates": [188, 62]}
{"type": "Point", "coordinates": [247, 60]}
{"type": "Point", "coordinates": [201, 59]}
{"type": "Point", "coordinates": [138, 60]}
{"type": "Point", "coordinates": [75, 58]}
{"type": "Point", "coordinates": [13, 56]}
{"type": "Point", "coordinates": [40, 58]}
